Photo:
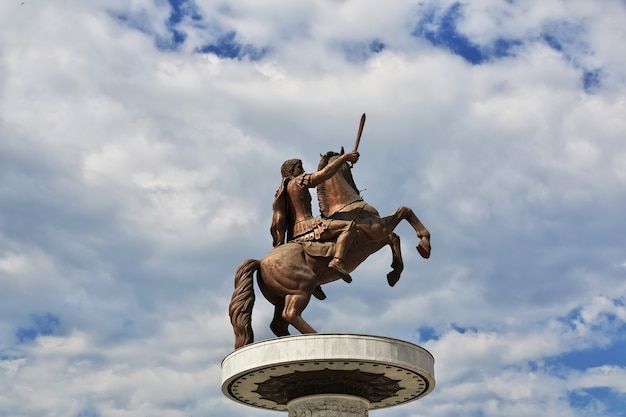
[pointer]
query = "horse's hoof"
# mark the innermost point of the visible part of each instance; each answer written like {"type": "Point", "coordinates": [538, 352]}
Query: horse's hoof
{"type": "Point", "coordinates": [279, 331]}
{"type": "Point", "coordinates": [393, 277]}
{"type": "Point", "coordinates": [344, 276]}
{"type": "Point", "coordinates": [318, 293]}
{"type": "Point", "coordinates": [424, 249]}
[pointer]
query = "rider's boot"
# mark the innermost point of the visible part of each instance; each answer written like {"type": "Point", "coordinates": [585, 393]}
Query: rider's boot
{"type": "Point", "coordinates": [344, 241]}
{"type": "Point", "coordinates": [339, 267]}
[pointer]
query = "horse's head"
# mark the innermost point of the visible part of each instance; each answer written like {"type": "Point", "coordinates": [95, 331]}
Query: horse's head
{"type": "Point", "coordinates": [326, 158]}
{"type": "Point", "coordinates": [338, 190]}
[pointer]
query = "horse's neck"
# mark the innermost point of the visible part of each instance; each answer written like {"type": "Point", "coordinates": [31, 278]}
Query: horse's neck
{"type": "Point", "coordinates": [335, 195]}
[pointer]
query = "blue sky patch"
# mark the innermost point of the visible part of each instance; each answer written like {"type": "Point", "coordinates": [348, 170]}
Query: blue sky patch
{"type": "Point", "coordinates": [89, 411]}
{"type": "Point", "coordinates": [599, 400]}
{"type": "Point", "coordinates": [182, 9]}
{"type": "Point", "coordinates": [607, 321]}
{"type": "Point", "coordinates": [10, 354]}
{"type": "Point", "coordinates": [186, 11]}
{"type": "Point", "coordinates": [552, 42]}
{"type": "Point", "coordinates": [428, 333]}
{"type": "Point", "coordinates": [359, 52]}
{"type": "Point", "coordinates": [566, 37]}
{"type": "Point", "coordinates": [463, 330]}
{"type": "Point", "coordinates": [138, 21]}
{"type": "Point", "coordinates": [615, 354]}
{"type": "Point", "coordinates": [227, 46]}
{"type": "Point", "coordinates": [43, 324]}
{"type": "Point", "coordinates": [376, 46]}
{"type": "Point", "coordinates": [569, 40]}
{"type": "Point", "coordinates": [592, 80]}
{"type": "Point", "coordinates": [608, 324]}
{"type": "Point", "coordinates": [440, 29]}
{"type": "Point", "coordinates": [179, 11]}
{"type": "Point", "coordinates": [505, 47]}
{"type": "Point", "coordinates": [442, 32]}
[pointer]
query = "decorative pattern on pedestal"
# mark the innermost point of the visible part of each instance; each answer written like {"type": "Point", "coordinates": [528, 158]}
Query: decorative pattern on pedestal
{"type": "Point", "coordinates": [328, 405]}
{"type": "Point", "coordinates": [284, 388]}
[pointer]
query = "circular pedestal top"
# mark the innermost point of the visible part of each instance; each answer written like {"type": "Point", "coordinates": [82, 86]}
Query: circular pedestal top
{"type": "Point", "coordinates": [384, 371]}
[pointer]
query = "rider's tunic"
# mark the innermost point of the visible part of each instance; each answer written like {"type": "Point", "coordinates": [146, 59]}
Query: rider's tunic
{"type": "Point", "coordinates": [309, 228]}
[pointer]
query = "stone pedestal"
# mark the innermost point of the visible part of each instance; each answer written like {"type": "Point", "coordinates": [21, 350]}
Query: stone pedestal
{"type": "Point", "coordinates": [328, 374]}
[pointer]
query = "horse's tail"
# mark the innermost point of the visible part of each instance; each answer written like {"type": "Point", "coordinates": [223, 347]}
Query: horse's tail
{"type": "Point", "coordinates": [240, 308]}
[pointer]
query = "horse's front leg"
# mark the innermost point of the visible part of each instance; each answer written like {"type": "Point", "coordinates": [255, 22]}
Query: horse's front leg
{"type": "Point", "coordinates": [397, 264]}
{"type": "Point", "coordinates": [422, 233]}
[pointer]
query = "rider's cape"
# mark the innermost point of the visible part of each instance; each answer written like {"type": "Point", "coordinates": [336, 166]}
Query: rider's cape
{"type": "Point", "coordinates": [280, 220]}
{"type": "Point", "coordinates": [278, 229]}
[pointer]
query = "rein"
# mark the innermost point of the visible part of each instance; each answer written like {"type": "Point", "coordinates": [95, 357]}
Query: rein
{"type": "Point", "coordinates": [352, 202]}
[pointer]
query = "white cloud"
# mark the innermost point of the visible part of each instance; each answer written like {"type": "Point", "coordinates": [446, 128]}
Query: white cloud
{"type": "Point", "coordinates": [135, 177]}
{"type": "Point", "coordinates": [602, 376]}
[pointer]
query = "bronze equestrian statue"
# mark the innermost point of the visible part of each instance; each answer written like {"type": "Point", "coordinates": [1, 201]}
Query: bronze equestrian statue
{"type": "Point", "coordinates": [293, 215]}
{"type": "Point", "coordinates": [308, 256]}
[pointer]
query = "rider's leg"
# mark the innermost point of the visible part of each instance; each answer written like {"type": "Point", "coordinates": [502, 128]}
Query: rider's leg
{"type": "Point", "coordinates": [344, 241]}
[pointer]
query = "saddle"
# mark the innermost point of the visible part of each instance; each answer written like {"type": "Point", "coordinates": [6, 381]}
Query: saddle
{"type": "Point", "coordinates": [319, 249]}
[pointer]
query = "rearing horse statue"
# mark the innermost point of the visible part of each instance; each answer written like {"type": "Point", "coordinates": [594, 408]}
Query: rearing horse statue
{"type": "Point", "coordinates": [292, 272]}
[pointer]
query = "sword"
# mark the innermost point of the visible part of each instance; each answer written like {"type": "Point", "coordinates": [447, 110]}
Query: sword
{"type": "Point", "coordinates": [358, 135]}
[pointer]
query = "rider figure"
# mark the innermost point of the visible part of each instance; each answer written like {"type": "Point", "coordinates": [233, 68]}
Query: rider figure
{"type": "Point", "coordinates": [293, 214]}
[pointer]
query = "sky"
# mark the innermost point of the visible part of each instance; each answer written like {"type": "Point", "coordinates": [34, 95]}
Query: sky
{"type": "Point", "coordinates": [140, 150]}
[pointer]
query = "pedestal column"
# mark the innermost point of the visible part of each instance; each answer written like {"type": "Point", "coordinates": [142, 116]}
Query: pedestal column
{"type": "Point", "coordinates": [328, 405]}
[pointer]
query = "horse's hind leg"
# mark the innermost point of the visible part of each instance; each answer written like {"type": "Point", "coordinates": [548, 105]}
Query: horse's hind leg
{"type": "Point", "coordinates": [292, 313]}
{"type": "Point", "coordinates": [279, 325]}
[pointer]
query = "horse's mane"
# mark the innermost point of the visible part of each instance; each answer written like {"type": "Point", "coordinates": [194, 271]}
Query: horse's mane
{"type": "Point", "coordinates": [322, 199]}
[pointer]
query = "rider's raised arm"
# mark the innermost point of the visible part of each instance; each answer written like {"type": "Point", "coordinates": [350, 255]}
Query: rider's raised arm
{"type": "Point", "coordinates": [329, 170]}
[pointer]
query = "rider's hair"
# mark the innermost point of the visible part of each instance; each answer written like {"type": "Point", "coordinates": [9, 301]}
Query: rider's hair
{"type": "Point", "coordinates": [286, 169]}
